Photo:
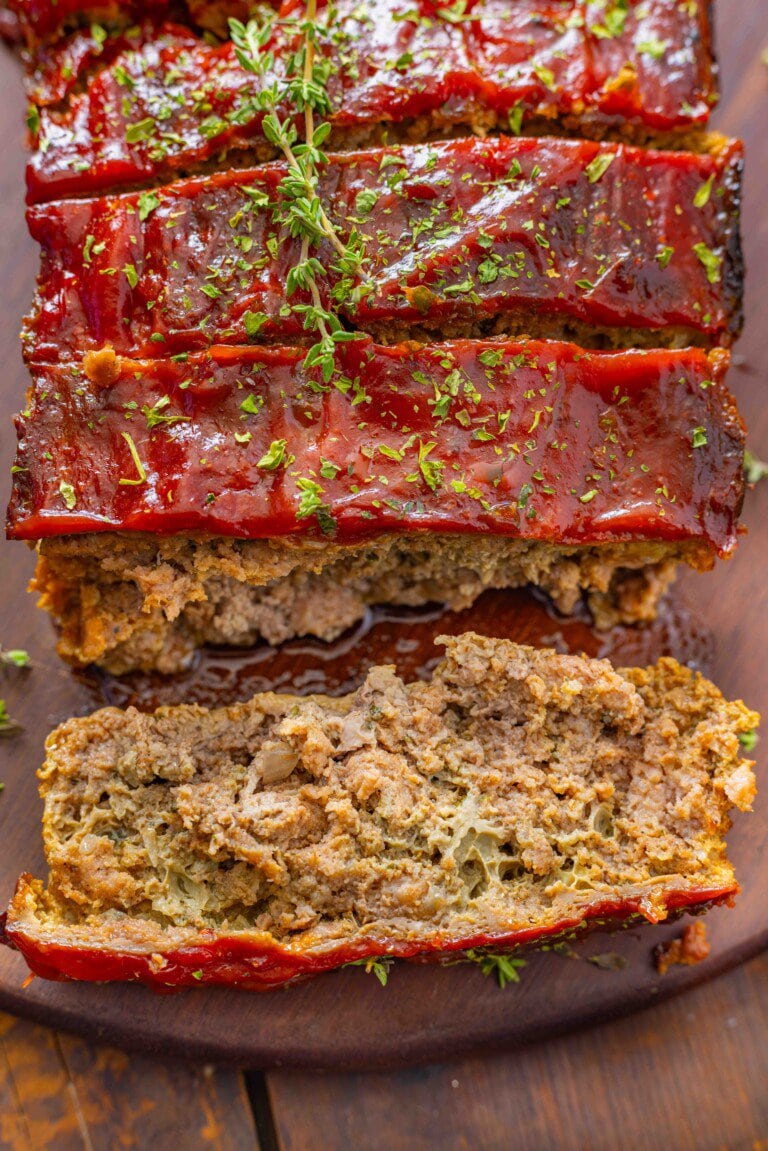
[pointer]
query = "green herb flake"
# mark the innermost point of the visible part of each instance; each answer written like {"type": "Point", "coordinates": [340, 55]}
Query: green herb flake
{"type": "Point", "coordinates": [665, 255]}
{"type": "Point", "coordinates": [703, 193]}
{"type": "Point", "coordinates": [141, 130]}
{"type": "Point", "coordinates": [147, 203]}
{"type": "Point", "coordinates": [598, 166]}
{"type": "Point", "coordinates": [67, 493]}
{"type": "Point", "coordinates": [754, 469]}
{"type": "Point", "coordinates": [699, 437]}
{"type": "Point", "coordinates": [545, 75]}
{"type": "Point", "coordinates": [274, 457]}
{"type": "Point", "coordinates": [328, 469]}
{"type": "Point", "coordinates": [251, 404]}
{"type": "Point", "coordinates": [710, 261]}
{"type": "Point", "coordinates": [748, 740]}
{"type": "Point", "coordinates": [365, 201]}
{"type": "Point", "coordinates": [515, 118]}
{"type": "Point", "coordinates": [33, 119]}
{"type": "Point", "coordinates": [14, 657]}
{"type": "Point", "coordinates": [253, 323]}
{"type": "Point", "coordinates": [652, 47]}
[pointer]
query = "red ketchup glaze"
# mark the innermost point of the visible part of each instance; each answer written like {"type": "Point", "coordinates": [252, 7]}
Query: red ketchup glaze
{"type": "Point", "coordinates": [467, 230]}
{"type": "Point", "coordinates": [540, 440]}
{"type": "Point", "coordinates": [258, 963]}
{"type": "Point", "coordinates": [175, 100]}
{"type": "Point", "coordinates": [42, 19]}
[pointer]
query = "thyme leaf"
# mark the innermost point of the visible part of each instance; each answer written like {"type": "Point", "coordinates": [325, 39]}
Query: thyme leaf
{"type": "Point", "coordinates": [506, 968]}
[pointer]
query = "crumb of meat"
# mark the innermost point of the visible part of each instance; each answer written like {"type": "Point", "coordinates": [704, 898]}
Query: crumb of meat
{"type": "Point", "coordinates": [102, 368]}
{"type": "Point", "coordinates": [510, 791]}
{"type": "Point", "coordinates": [690, 948]}
{"type": "Point", "coordinates": [129, 601]}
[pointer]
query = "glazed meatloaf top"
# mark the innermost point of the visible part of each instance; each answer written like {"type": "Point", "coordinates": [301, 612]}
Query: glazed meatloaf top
{"type": "Point", "coordinates": [123, 106]}
{"type": "Point", "coordinates": [619, 243]}
{"type": "Point", "coordinates": [539, 440]}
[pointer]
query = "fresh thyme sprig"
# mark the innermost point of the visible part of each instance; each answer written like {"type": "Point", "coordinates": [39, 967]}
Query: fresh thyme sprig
{"type": "Point", "coordinates": [300, 210]}
{"type": "Point", "coordinates": [379, 966]}
{"type": "Point", "coordinates": [506, 968]}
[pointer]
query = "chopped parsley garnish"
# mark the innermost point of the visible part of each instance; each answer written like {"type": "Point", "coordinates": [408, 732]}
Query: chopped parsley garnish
{"type": "Point", "coordinates": [754, 469]}
{"type": "Point", "coordinates": [699, 437]}
{"type": "Point", "coordinates": [665, 255]}
{"type": "Point", "coordinates": [274, 457]}
{"type": "Point", "coordinates": [748, 740]}
{"type": "Point", "coordinates": [653, 47]}
{"type": "Point", "coordinates": [515, 118]}
{"type": "Point", "coordinates": [365, 201]}
{"type": "Point", "coordinates": [67, 493]}
{"type": "Point", "coordinates": [710, 261]}
{"type": "Point", "coordinates": [253, 323]}
{"type": "Point", "coordinates": [597, 167]}
{"type": "Point", "coordinates": [147, 203]}
{"type": "Point", "coordinates": [310, 504]}
{"type": "Point", "coordinates": [141, 130]}
{"type": "Point", "coordinates": [252, 404]}
{"type": "Point", "coordinates": [703, 193]}
{"type": "Point", "coordinates": [14, 657]}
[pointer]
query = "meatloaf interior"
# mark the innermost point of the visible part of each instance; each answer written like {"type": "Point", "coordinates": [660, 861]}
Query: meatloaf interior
{"type": "Point", "coordinates": [518, 790]}
{"type": "Point", "coordinates": [137, 602]}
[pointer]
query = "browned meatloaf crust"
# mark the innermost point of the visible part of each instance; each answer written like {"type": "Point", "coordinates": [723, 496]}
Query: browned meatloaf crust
{"type": "Point", "coordinates": [517, 791]}
{"type": "Point", "coordinates": [145, 602]}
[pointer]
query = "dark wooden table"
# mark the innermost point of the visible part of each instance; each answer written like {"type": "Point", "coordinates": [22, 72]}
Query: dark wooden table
{"type": "Point", "coordinates": [689, 1076]}
{"type": "Point", "coordinates": [692, 1073]}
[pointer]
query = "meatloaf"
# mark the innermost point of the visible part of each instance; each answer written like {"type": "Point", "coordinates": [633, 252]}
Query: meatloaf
{"type": "Point", "coordinates": [608, 244]}
{"type": "Point", "coordinates": [123, 106]}
{"type": "Point", "coordinates": [517, 795]}
{"type": "Point", "coordinates": [233, 494]}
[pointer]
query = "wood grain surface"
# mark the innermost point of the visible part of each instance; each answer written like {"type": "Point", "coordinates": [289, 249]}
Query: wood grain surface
{"type": "Point", "coordinates": [347, 1019]}
{"type": "Point", "coordinates": [690, 1077]}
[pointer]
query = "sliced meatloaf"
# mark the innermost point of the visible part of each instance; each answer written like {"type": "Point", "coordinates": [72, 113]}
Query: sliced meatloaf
{"type": "Point", "coordinates": [233, 493]}
{"type": "Point", "coordinates": [517, 795]}
{"type": "Point", "coordinates": [608, 244]}
{"type": "Point", "coordinates": [124, 106]}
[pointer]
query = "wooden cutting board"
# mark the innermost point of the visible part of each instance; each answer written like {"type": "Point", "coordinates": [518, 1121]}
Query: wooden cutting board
{"type": "Point", "coordinates": [718, 622]}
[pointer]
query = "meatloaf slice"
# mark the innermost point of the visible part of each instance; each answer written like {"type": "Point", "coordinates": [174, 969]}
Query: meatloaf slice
{"type": "Point", "coordinates": [243, 496]}
{"type": "Point", "coordinates": [517, 795]}
{"type": "Point", "coordinates": [152, 103]}
{"type": "Point", "coordinates": [608, 244]}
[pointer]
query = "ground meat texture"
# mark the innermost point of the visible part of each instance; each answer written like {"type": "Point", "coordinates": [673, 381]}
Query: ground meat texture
{"type": "Point", "coordinates": [468, 237]}
{"type": "Point", "coordinates": [517, 791]}
{"type": "Point", "coordinates": [168, 101]}
{"type": "Point", "coordinates": [141, 603]}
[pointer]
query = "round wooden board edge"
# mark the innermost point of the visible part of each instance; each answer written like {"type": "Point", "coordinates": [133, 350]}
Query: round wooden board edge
{"type": "Point", "coordinates": [412, 1049]}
